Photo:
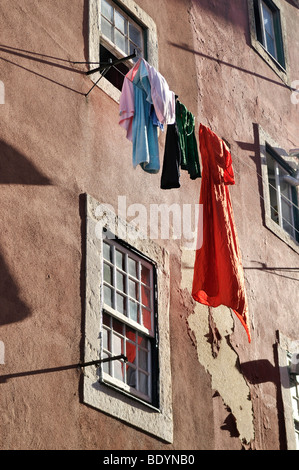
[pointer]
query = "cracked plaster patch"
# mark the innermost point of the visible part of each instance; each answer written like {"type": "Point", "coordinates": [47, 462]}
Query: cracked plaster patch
{"type": "Point", "coordinates": [225, 375]}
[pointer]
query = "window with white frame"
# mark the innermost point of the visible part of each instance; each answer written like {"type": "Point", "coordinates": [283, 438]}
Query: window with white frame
{"type": "Point", "coordinates": [128, 321]}
{"type": "Point", "coordinates": [121, 36]}
{"type": "Point", "coordinates": [283, 196]}
{"type": "Point", "coordinates": [268, 28]}
{"type": "Point", "coordinates": [279, 172]}
{"type": "Point", "coordinates": [116, 30]}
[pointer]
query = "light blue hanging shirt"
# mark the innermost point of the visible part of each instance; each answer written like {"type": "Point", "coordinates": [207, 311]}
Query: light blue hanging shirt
{"type": "Point", "coordinates": [145, 133]}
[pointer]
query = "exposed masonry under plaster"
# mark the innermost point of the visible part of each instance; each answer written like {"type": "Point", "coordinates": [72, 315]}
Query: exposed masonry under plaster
{"type": "Point", "coordinates": [219, 358]}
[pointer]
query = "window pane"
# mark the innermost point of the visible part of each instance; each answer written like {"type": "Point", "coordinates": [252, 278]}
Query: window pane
{"type": "Point", "coordinates": [142, 341]}
{"type": "Point", "coordinates": [145, 275]}
{"type": "Point", "coordinates": [272, 188]}
{"type": "Point", "coordinates": [107, 252]}
{"type": "Point", "coordinates": [106, 319]}
{"type": "Point", "coordinates": [287, 214]}
{"type": "Point", "coordinates": [273, 204]}
{"type": "Point", "coordinates": [106, 365]}
{"type": "Point", "coordinates": [132, 267]}
{"type": "Point", "coordinates": [120, 281]}
{"type": "Point", "coordinates": [143, 359]}
{"type": "Point", "coordinates": [131, 334]}
{"type": "Point", "coordinates": [106, 343]}
{"type": "Point", "coordinates": [146, 319]}
{"type": "Point", "coordinates": [117, 345]}
{"type": "Point", "coordinates": [108, 274]}
{"type": "Point", "coordinates": [133, 289]}
{"type": "Point", "coordinates": [268, 20]}
{"type": "Point", "coordinates": [108, 296]}
{"type": "Point", "coordinates": [107, 10]}
{"type": "Point", "coordinates": [146, 296]}
{"type": "Point", "coordinates": [121, 41]}
{"type": "Point", "coordinates": [107, 29]}
{"type": "Point", "coordinates": [121, 304]}
{"type": "Point", "coordinates": [120, 22]}
{"type": "Point", "coordinates": [131, 377]}
{"type": "Point", "coordinates": [131, 352]}
{"type": "Point", "coordinates": [269, 30]}
{"type": "Point", "coordinates": [119, 370]}
{"type": "Point", "coordinates": [286, 204]}
{"type": "Point", "coordinates": [143, 383]}
{"type": "Point", "coordinates": [120, 259]}
{"type": "Point", "coordinates": [271, 45]}
{"type": "Point", "coordinates": [135, 35]}
{"type": "Point", "coordinates": [117, 326]}
{"type": "Point", "coordinates": [133, 311]}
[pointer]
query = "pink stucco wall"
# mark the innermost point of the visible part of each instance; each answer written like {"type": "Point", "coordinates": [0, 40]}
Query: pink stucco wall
{"type": "Point", "coordinates": [56, 145]}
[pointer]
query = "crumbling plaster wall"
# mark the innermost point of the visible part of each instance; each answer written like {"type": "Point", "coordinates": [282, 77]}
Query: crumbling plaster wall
{"type": "Point", "coordinates": [219, 357]}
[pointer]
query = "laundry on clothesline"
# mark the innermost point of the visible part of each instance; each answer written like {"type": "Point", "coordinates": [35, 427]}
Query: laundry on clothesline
{"type": "Point", "coordinates": [146, 104]}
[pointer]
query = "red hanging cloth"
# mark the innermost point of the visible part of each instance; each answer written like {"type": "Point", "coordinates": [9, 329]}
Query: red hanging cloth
{"type": "Point", "coordinates": [218, 272]}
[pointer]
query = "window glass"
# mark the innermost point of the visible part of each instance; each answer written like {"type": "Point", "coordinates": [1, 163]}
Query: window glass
{"type": "Point", "coordinates": [128, 284]}
{"type": "Point", "coordinates": [117, 339]}
{"type": "Point", "coordinates": [127, 324]}
{"type": "Point", "coordinates": [120, 36]}
{"type": "Point", "coordinates": [283, 204]}
{"type": "Point", "coordinates": [269, 30]}
{"type": "Point", "coordinates": [120, 29]}
{"type": "Point", "coordinates": [287, 211]}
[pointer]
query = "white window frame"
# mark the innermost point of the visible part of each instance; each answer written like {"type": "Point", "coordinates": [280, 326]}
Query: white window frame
{"type": "Point", "coordinates": [282, 222]}
{"type": "Point", "coordinates": [148, 334]}
{"type": "Point", "coordinates": [157, 421]}
{"type": "Point", "coordinates": [132, 9]}
{"type": "Point", "coordinates": [111, 45]}
{"type": "Point", "coordinates": [267, 141]}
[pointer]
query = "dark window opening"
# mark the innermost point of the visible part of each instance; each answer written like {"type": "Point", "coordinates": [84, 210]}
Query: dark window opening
{"type": "Point", "coordinates": [115, 74]}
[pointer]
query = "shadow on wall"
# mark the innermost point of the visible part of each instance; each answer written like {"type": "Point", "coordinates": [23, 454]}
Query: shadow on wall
{"type": "Point", "coordinates": [13, 309]}
{"type": "Point", "coordinates": [254, 148]}
{"type": "Point", "coordinates": [262, 371]}
{"type": "Point", "coordinates": [187, 48]}
{"type": "Point", "coordinates": [29, 58]}
{"type": "Point", "coordinates": [14, 169]}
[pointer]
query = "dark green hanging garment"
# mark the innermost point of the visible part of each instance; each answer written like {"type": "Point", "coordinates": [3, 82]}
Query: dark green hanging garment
{"type": "Point", "coordinates": [189, 150]}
